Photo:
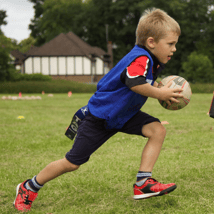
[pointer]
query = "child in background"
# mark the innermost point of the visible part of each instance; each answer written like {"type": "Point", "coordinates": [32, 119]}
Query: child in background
{"type": "Point", "coordinates": [115, 107]}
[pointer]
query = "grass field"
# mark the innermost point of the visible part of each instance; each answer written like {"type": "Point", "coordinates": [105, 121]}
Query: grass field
{"type": "Point", "coordinates": [104, 184]}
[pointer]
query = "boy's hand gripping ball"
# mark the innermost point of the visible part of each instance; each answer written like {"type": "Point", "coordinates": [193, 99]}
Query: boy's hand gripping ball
{"type": "Point", "coordinates": [177, 82]}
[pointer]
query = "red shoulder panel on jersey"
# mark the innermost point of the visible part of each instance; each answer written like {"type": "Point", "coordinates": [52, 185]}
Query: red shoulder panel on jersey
{"type": "Point", "coordinates": [138, 67]}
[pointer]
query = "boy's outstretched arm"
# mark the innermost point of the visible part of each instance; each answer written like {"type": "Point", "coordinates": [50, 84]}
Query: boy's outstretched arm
{"type": "Point", "coordinates": [164, 93]}
{"type": "Point", "coordinates": [155, 84]}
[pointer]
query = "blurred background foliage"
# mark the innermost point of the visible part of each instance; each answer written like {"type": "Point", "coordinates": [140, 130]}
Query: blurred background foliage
{"type": "Point", "coordinates": [99, 21]}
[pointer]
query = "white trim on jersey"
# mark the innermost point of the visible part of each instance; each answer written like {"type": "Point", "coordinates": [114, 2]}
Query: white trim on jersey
{"type": "Point", "coordinates": [147, 64]}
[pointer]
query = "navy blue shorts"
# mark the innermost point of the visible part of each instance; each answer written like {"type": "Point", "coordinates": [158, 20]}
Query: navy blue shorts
{"type": "Point", "coordinates": [92, 134]}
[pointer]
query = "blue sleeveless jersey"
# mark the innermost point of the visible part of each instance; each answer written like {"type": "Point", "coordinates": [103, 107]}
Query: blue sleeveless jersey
{"type": "Point", "coordinates": [113, 100]}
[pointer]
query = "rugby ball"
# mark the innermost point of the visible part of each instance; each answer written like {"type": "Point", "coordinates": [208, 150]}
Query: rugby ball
{"type": "Point", "coordinates": [177, 82]}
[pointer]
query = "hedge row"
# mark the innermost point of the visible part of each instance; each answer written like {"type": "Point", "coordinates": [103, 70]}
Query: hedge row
{"type": "Point", "coordinates": [202, 87]}
{"type": "Point", "coordinates": [63, 86]}
{"type": "Point", "coordinates": [13, 75]}
{"type": "Point", "coordinates": [32, 77]}
{"type": "Point", "coordinates": [54, 86]}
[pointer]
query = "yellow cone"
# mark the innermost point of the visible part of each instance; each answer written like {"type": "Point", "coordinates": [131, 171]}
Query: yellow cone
{"type": "Point", "coordinates": [20, 117]}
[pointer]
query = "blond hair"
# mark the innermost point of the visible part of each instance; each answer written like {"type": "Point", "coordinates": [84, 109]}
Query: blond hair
{"type": "Point", "coordinates": [155, 23]}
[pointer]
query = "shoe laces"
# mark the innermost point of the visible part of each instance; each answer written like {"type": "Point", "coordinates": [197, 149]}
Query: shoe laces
{"type": "Point", "coordinates": [152, 180]}
{"type": "Point", "coordinates": [27, 201]}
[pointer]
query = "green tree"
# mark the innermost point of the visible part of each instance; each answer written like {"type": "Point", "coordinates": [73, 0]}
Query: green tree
{"type": "Point", "coordinates": [6, 68]}
{"type": "Point", "coordinates": [3, 15]}
{"type": "Point", "coordinates": [6, 45]}
{"type": "Point", "coordinates": [26, 44]}
{"type": "Point", "coordinates": [4, 53]}
{"type": "Point", "coordinates": [4, 59]}
{"type": "Point", "coordinates": [206, 43]}
{"type": "Point", "coordinates": [55, 17]}
{"type": "Point", "coordinates": [120, 16]}
{"type": "Point", "coordinates": [192, 16]}
{"type": "Point", "coordinates": [88, 19]}
{"type": "Point", "coordinates": [35, 31]}
{"type": "Point", "coordinates": [198, 68]}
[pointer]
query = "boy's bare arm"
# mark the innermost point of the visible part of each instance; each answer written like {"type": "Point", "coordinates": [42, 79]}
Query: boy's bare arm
{"type": "Point", "coordinates": [164, 93]}
{"type": "Point", "coordinates": [155, 84]}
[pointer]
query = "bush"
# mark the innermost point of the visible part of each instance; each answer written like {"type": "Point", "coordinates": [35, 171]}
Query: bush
{"type": "Point", "coordinates": [202, 87]}
{"type": "Point", "coordinates": [4, 63]}
{"type": "Point", "coordinates": [198, 68]}
{"type": "Point", "coordinates": [54, 86]}
{"type": "Point", "coordinates": [13, 75]}
{"type": "Point", "coordinates": [9, 74]}
{"type": "Point", "coordinates": [63, 86]}
{"type": "Point", "coordinates": [35, 77]}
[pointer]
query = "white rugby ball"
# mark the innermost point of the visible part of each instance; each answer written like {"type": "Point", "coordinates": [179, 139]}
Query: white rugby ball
{"type": "Point", "coordinates": [177, 82]}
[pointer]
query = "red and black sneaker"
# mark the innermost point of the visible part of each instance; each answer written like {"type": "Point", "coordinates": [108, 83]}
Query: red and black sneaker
{"type": "Point", "coordinates": [152, 188]}
{"type": "Point", "coordinates": [24, 198]}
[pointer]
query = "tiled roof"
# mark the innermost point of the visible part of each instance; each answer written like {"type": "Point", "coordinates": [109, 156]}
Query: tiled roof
{"type": "Point", "coordinates": [66, 45]}
{"type": "Point", "coordinates": [18, 55]}
{"type": "Point", "coordinates": [85, 46]}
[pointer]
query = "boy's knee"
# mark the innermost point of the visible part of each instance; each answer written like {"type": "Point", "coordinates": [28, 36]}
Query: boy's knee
{"type": "Point", "coordinates": [74, 167]}
{"type": "Point", "coordinates": [70, 166]}
{"type": "Point", "coordinates": [161, 131]}
{"type": "Point", "coordinates": [155, 129]}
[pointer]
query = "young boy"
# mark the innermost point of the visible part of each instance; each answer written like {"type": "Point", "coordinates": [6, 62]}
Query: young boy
{"type": "Point", "coordinates": [115, 107]}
